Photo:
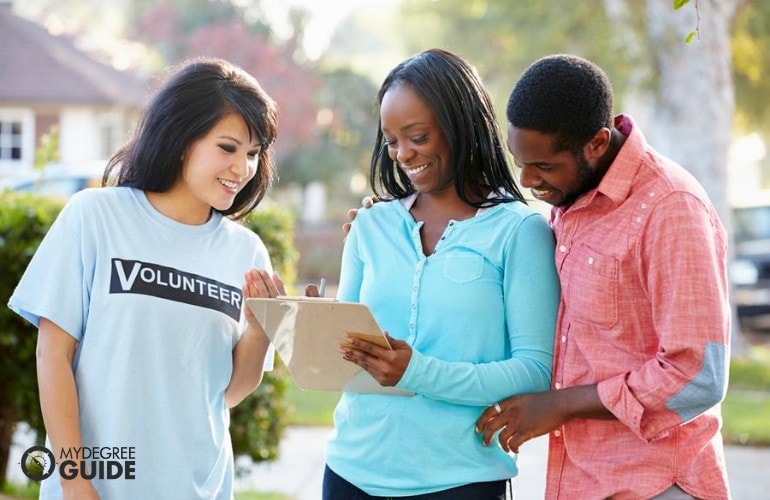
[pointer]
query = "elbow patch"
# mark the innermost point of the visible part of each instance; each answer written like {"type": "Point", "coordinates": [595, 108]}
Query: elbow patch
{"type": "Point", "coordinates": [706, 389]}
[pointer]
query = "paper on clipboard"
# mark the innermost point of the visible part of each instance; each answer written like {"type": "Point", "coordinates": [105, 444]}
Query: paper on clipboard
{"type": "Point", "coordinates": [307, 333]}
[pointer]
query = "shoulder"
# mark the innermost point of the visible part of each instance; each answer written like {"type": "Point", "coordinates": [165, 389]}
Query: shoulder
{"type": "Point", "coordinates": [84, 204]}
{"type": "Point", "coordinates": [522, 216]}
{"type": "Point", "coordinates": [671, 184]}
{"type": "Point", "coordinates": [92, 197]}
{"type": "Point", "coordinates": [379, 212]}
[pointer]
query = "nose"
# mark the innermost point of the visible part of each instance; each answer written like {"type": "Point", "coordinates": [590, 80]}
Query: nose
{"type": "Point", "coordinates": [240, 166]}
{"type": "Point", "coordinates": [404, 152]}
{"type": "Point", "coordinates": [528, 177]}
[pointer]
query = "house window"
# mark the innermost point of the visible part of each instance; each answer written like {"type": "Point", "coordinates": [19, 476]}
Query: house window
{"type": "Point", "coordinates": [11, 140]}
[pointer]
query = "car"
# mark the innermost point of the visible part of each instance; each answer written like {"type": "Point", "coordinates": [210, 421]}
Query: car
{"type": "Point", "coordinates": [750, 269]}
{"type": "Point", "coordinates": [58, 180]}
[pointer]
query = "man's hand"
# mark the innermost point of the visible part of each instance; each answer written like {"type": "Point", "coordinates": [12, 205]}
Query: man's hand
{"type": "Point", "coordinates": [385, 365]}
{"type": "Point", "coordinates": [521, 418]}
{"type": "Point", "coordinates": [526, 416]}
{"type": "Point", "coordinates": [367, 202]}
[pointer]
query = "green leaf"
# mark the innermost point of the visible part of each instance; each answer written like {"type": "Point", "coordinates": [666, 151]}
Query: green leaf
{"type": "Point", "coordinates": [678, 4]}
{"type": "Point", "coordinates": [689, 37]}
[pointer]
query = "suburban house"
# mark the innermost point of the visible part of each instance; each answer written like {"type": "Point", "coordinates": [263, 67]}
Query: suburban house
{"type": "Point", "coordinates": [47, 84]}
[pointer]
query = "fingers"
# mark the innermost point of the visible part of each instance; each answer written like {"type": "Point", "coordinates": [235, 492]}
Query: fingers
{"type": "Point", "coordinates": [311, 290]}
{"type": "Point", "coordinates": [280, 288]}
{"type": "Point", "coordinates": [259, 283]}
{"type": "Point", "coordinates": [368, 201]}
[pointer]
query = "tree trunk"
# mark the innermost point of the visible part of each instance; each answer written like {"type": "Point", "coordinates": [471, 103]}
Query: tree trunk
{"type": "Point", "coordinates": [687, 111]}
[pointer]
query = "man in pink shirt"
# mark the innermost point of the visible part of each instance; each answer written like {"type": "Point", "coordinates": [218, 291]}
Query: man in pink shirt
{"type": "Point", "coordinates": [641, 353]}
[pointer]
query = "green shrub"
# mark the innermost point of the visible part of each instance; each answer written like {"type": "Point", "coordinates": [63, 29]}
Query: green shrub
{"type": "Point", "coordinates": [24, 220]}
{"type": "Point", "coordinates": [256, 424]}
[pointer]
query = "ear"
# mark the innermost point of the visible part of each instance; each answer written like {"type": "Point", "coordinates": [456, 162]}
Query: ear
{"type": "Point", "coordinates": [598, 145]}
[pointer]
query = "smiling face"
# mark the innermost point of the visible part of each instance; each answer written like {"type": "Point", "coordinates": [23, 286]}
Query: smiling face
{"type": "Point", "coordinates": [415, 140]}
{"type": "Point", "coordinates": [216, 167]}
{"type": "Point", "coordinates": [555, 178]}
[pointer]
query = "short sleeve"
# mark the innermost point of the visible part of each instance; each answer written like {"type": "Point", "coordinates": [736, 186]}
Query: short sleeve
{"type": "Point", "coordinates": [55, 285]}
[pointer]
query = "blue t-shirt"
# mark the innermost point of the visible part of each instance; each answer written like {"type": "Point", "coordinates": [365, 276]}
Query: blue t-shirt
{"type": "Point", "coordinates": [480, 315]}
{"type": "Point", "coordinates": [156, 308]}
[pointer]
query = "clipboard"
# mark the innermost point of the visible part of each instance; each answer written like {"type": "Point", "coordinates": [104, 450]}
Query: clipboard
{"type": "Point", "coordinates": [307, 333]}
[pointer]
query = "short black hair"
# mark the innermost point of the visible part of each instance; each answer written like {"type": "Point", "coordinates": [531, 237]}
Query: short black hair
{"type": "Point", "coordinates": [453, 91]}
{"type": "Point", "coordinates": [565, 96]}
{"type": "Point", "coordinates": [195, 97]}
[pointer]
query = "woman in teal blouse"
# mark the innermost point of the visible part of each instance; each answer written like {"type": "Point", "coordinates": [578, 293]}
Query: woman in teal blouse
{"type": "Point", "coordinates": [460, 272]}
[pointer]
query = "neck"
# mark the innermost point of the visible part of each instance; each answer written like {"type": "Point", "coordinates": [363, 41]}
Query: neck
{"type": "Point", "coordinates": [617, 139]}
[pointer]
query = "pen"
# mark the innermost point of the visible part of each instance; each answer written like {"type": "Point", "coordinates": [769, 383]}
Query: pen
{"type": "Point", "coordinates": [322, 287]}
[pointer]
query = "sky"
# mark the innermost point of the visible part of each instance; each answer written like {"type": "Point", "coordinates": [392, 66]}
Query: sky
{"type": "Point", "coordinates": [324, 18]}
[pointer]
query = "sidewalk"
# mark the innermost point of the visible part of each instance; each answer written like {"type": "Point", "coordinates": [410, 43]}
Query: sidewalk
{"type": "Point", "coordinates": [299, 472]}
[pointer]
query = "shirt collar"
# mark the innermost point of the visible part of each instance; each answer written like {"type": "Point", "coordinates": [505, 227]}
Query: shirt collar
{"type": "Point", "coordinates": [618, 180]}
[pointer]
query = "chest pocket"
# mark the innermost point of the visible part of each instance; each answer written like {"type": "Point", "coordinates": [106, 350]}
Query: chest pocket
{"type": "Point", "coordinates": [593, 287]}
{"type": "Point", "coordinates": [464, 268]}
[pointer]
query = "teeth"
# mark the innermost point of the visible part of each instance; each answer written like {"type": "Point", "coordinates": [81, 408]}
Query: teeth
{"type": "Point", "coordinates": [416, 170]}
{"type": "Point", "coordinates": [538, 192]}
{"type": "Point", "coordinates": [228, 184]}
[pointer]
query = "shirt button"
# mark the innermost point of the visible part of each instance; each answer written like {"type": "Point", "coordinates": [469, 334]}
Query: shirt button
{"type": "Point", "coordinates": [638, 220]}
{"type": "Point", "coordinates": [557, 385]}
{"type": "Point", "coordinates": [590, 260]}
{"type": "Point", "coordinates": [557, 433]}
{"type": "Point", "coordinates": [562, 248]}
{"type": "Point", "coordinates": [644, 205]}
{"type": "Point", "coordinates": [563, 338]}
{"type": "Point", "coordinates": [411, 326]}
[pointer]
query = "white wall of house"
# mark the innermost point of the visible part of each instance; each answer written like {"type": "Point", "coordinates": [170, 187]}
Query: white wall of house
{"type": "Point", "coordinates": [11, 118]}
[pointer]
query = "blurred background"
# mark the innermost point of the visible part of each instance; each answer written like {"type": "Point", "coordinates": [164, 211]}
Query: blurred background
{"type": "Point", "coordinates": [74, 75]}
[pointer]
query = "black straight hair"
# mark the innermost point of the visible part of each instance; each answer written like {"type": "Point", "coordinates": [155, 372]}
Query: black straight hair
{"type": "Point", "coordinates": [195, 97]}
{"type": "Point", "coordinates": [453, 91]}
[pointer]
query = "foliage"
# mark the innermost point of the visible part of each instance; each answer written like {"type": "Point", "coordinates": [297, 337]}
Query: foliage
{"type": "Point", "coordinates": [182, 29]}
{"type": "Point", "coordinates": [24, 220]}
{"type": "Point", "coordinates": [502, 38]}
{"type": "Point", "coordinates": [751, 66]}
{"type": "Point", "coordinates": [257, 423]}
{"type": "Point", "coordinates": [48, 152]}
{"type": "Point", "coordinates": [348, 122]}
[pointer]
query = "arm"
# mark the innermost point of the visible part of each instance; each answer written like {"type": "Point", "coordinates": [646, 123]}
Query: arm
{"type": "Point", "coordinates": [682, 264]}
{"type": "Point", "coordinates": [249, 353]}
{"type": "Point", "coordinates": [526, 416]}
{"type": "Point", "coordinates": [682, 251]}
{"type": "Point", "coordinates": [59, 399]}
{"type": "Point", "coordinates": [528, 260]}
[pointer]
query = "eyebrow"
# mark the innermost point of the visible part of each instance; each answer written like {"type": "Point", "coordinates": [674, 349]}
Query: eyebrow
{"type": "Point", "coordinates": [257, 145]}
{"type": "Point", "coordinates": [408, 127]}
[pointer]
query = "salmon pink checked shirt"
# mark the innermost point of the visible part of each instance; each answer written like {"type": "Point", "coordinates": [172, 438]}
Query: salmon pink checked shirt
{"type": "Point", "coordinates": [645, 315]}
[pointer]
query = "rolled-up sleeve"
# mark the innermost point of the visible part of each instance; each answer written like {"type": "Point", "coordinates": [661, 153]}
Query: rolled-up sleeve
{"type": "Point", "coordinates": [682, 256]}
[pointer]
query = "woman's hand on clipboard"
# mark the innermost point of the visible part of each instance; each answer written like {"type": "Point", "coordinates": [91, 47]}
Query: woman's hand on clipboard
{"type": "Point", "coordinates": [387, 366]}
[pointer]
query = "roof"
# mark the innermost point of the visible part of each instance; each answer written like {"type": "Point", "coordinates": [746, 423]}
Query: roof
{"type": "Point", "coordinates": [38, 67]}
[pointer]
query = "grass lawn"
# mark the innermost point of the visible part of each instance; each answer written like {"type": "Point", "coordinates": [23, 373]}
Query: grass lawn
{"type": "Point", "coordinates": [746, 409]}
{"type": "Point", "coordinates": [312, 408]}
